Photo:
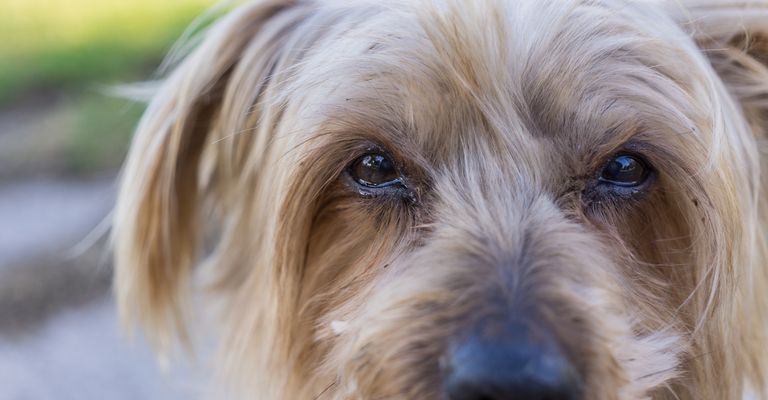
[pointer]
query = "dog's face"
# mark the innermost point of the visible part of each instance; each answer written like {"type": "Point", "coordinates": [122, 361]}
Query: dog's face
{"type": "Point", "coordinates": [458, 200]}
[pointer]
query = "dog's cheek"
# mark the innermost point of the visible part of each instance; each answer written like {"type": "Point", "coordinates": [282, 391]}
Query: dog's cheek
{"type": "Point", "coordinates": [350, 239]}
{"type": "Point", "coordinates": [352, 242]}
{"type": "Point", "coordinates": [386, 349]}
{"type": "Point", "coordinates": [651, 247]}
{"type": "Point", "coordinates": [650, 239]}
{"type": "Point", "coordinates": [380, 339]}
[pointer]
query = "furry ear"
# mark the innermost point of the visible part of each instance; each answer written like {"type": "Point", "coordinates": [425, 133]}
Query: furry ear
{"type": "Point", "coordinates": [734, 36]}
{"type": "Point", "coordinates": [155, 234]}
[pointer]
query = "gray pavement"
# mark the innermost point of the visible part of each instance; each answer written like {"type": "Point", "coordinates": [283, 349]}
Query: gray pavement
{"type": "Point", "coordinates": [81, 355]}
{"type": "Point", "coordinates": [59, 336]}
{"type": "Point", "coordinates": [42, 216]}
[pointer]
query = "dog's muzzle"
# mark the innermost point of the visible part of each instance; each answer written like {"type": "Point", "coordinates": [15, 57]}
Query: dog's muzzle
{"type": "Point", "coordinates": [509, 360]}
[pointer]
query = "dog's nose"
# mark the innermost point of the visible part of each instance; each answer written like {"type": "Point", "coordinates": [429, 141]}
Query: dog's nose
{"type": "Point", "coordinates": [509, 361]}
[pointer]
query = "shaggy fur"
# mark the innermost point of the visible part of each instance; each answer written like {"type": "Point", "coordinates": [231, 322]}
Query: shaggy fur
{"type": "Point", "coordinates": [500, 114]}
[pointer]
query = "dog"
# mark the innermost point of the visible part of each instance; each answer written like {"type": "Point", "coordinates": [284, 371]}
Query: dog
{"type": "Point", "coordinates": [459, 200]}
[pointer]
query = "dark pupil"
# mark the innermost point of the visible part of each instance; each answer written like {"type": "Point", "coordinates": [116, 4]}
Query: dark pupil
{"type": "Point", "coordinates": [374, 170]}
{"type": "Point", "coordinates": [624, 171]}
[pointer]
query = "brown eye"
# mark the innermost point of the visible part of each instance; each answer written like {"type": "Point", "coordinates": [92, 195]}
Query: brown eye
{"type": "Point", "coordinates": [374, 171]}
{"type": "Point", "coordinates": [625, 170]}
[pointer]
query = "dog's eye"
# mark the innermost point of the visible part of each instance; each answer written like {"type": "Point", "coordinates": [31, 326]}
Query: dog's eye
{"type": "Point", "coordinates": [375, 171]}
{"type": "Point", "coordinates": [625, 170]}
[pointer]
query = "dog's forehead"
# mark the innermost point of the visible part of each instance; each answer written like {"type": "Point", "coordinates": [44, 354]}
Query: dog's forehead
{"type": "Point", "coordinates": [448, 74]}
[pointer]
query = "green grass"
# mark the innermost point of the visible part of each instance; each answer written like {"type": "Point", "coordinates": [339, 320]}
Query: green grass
{"type": "Point", "coordinates": [68, 44]}
{"type": "Point", "coordinates": [78, 47]}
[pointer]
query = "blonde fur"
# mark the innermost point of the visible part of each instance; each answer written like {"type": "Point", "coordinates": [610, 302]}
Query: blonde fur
{"type": "Point", "coordinates": [499, 113]}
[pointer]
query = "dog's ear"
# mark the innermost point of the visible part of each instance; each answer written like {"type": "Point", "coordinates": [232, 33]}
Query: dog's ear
{"type": "Point", "coordinates": [156, 235]}
{"type": "Point", "coordinates": [734, 37]}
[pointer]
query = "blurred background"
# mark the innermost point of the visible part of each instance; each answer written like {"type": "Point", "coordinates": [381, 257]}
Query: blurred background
{"type": "Point", "coordinates": [62, 140]}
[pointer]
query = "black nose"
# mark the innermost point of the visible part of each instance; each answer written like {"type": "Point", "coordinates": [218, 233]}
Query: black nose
{"type": "Point", "coordinates": [509, 361]}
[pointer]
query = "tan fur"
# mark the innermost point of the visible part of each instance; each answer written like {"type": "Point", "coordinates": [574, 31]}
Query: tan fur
{"type": "Point", "coordinates": [500, 113]}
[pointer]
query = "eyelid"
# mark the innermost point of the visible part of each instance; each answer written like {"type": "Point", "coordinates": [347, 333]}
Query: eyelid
{"type": "Point", "coordinates": [396, 181]}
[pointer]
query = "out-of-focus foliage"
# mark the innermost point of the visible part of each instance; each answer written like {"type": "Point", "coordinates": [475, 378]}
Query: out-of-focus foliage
{"type": "Point", "coordinates": [67, 43]}
{"type": "Point", "coordinates": [57, 57]}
